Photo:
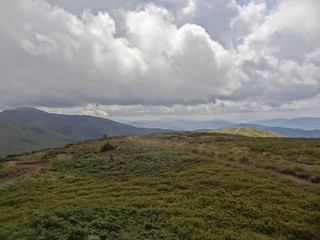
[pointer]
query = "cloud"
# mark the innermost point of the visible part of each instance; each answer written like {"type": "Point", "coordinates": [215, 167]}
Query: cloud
{"type": "Point", "coordinates": [248, 20]}
{"type": "Point", "coordinates": [280, 55]}
{"type": "Point", "coordinates": [174, 56]}
{"type": "Point", "coordinates": [214, 16]}
{"type": "Point", "coordinates": [288, 32]}
{"type": "Point", "coordinates": [64, 60]}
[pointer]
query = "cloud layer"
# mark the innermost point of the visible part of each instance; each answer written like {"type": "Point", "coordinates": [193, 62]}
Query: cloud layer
{"type": "Point", "coordinates": [184, 52]}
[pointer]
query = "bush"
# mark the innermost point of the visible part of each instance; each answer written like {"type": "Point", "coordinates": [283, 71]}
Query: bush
{"type": "Point", "coordinates": [244, 160]}
{"type": "Point", "coordinates": [315, 179]}
{"type": "Point", "coordinates": [107, 147]}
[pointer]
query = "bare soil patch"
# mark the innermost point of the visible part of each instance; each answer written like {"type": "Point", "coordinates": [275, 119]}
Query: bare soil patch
{"type": "Point", "coordinates": [25, 169]}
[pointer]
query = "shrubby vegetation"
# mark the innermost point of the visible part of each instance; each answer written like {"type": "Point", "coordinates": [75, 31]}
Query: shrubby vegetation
{"type": "Point", "coordinates": [6, 168]}
{"type": "Point", "coordinates": [169, 186]}
{"type": "Point", "coordinates": [106, 147]}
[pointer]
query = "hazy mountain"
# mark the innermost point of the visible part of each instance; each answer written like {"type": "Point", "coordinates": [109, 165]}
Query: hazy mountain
{"type": "Point", "coordinates": [182, 125]}
{"type": "Point", "coordinates": [298, 127]}
{"type": "Point", "coordinates": [28, 129]}
{"type": "Point", "coordinates": [304, 123]}
{"type": "Point", "coordinates": [289, 132]}
{"type": "Point", "coordinates": [163, 124]}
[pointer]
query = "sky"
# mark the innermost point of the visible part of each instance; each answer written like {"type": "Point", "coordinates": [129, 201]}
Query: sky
{"type": "Point", "coordinates": [192, 59]}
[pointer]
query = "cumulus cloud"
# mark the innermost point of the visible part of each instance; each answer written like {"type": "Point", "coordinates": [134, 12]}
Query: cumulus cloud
{"type": "Point", "coordinates": [280, 55]}
{"type": "Point", "coordinates": [287, 33]}
{"type": "Point", "coordinates": [173, 56]}
{"type": "Point", "coordinates": [248, 20]}
{"type": "Point", "coordinates": [67, 60]}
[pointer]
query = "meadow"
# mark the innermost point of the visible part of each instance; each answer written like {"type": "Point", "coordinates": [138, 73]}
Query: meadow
{"type": "Point", "coordinates": [196, 185]}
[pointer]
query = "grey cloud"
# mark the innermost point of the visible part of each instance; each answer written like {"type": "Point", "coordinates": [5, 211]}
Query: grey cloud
{"type": "Point", "coordinates": [279, 56]}
{"type": "Point", "coordinates": [66, 60]}
{"type": "Point", "coordinates": [216, 18]}
{"type": "Point", "coordinates": [173, 53]}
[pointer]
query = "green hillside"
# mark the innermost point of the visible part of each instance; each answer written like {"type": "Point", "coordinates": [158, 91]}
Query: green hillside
{"type": "Point", "coordinates": [29, 129]}
{"type": "Point", "coordinates": [16, 138]}
{"type": "Point", "coordinates": [250, 132]}
{"type": "Point", "coordinates": [195, 185]}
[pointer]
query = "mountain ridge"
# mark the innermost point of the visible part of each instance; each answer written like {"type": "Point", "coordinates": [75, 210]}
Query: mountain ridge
{"type": "Point", "coordinates": [303, 123]}
{"type": "Point", "coordinates": [182, 124]}
{"type": "Point", "coordinates": [289, 132]}
{"type": "Point", "coordinates": [29, 129]}
{"type": "Point", "coordinates": [221, 124]}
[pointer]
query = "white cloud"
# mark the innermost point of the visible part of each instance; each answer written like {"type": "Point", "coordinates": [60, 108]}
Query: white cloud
{"type": "Point", "coordinates": [197, 53]}
{"type": "Point", "coordinates": [214, 16]}
{"type": "Point", "coordinates": [248, 20]}
{"type": "Point", "coordinates": [287, 33]}
{"type": "Point", "coordinates": [280, 55]}
{"type": "Point", "coordinates": [190, 8]}
{"type": "Point", "coordinates": [95, 110]}
{"type": "Point", "coordinates": [74, 61]}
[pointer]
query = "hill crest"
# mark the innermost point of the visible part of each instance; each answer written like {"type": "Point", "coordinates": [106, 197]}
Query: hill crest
{"type": "Point", "coordinates": [28, 129]}
{"type": "Point", "coordinates": [250, 132]}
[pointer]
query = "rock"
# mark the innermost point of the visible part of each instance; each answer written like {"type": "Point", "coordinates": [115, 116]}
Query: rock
{"type": "Point", "coordinates": [93, 237]}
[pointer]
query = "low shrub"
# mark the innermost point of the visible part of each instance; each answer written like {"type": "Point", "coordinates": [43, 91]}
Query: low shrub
{"type": "Point", "coordinates": [244, 160]}
{"type": "Point", "coordinates": [107, 147]}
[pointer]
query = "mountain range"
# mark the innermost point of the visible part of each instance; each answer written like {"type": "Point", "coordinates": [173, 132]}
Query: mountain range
{"type": "Point", "coordinates": [295, 128]}
{"type": "Point", "coordinates": [28, 129]}
{"type": "Point", "coordinates": [288, 132]}
{"type": "Point", "coordinates": [304, 123]}
{"type": "Point", "coordinates": [183, 125]}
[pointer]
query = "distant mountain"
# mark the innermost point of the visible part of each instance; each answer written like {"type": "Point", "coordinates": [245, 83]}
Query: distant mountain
{"type": "Point", "coordinates": [183, 125]}
{"type": "Point", "coordinates": [28, 129]}
{"type": "Point", "coordinates": [289, 132]}
{"type": "Point", "coordinates": [215, 124]}
{"type": "Point", "coordinates": [163, 124]}
{"type": "Point", "coordinates": [304, 123]}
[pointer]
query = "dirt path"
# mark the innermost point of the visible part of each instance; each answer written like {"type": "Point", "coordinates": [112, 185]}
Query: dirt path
{"type": "Point", "coordinates": [25, 169]}
{"type": "Point", "coordinates": [236, 131]}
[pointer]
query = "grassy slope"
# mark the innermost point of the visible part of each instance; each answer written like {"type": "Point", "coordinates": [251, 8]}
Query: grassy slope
{"type": "Point", "coordinates": [75, 127]}
{"type": "Point", "coordinates": [289, 132]}
{"type": "Point", "coordinates": [169, 186]}
{"type": "Point", "coordinates": [250, 132]}
{"type": "Point", "coordinates": [15, 138]}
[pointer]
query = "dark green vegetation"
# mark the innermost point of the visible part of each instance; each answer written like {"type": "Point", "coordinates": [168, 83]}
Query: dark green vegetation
{"type": "Point", "coordinates": [28, 129]}
{"type": "Point", "coordinates": [168, 186]}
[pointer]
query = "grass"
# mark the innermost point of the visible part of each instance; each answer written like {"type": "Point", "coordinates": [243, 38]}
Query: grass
{"type": "Point", "coordinates": [169, 186]}
{"type": "Point", "coordinates": [250, 132]}
{"type": "Point", "coordinates": [7, 168]}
